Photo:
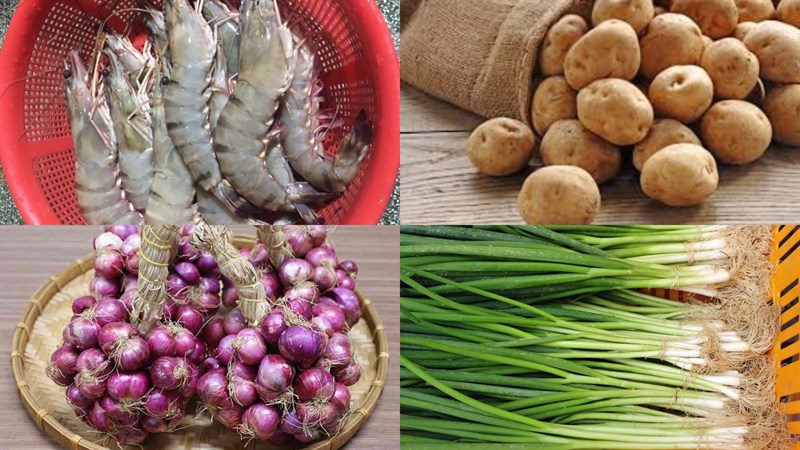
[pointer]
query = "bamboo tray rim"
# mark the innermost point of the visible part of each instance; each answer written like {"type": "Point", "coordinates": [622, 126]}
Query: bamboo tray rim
{"type": "Point", "coordinates": [69, 439]}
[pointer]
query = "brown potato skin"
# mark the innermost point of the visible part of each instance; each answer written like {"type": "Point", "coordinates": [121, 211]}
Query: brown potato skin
{"type": "Point", "coordinates": [732, 67]}
{"type": "Point", "coordinates": [736, 132]}
{"type": "Point", "coordinates": [755, 10]}
{"type": "Point", "coordinates": [670, 40]}
{"type": "Point", "coordinates": [717, 18]}
{"type": "Point", "coordinates": [559, 39]}
{"type": "Point", "coordinates": [682, 93]}
{"type": "Point", "coordinates": [501, 146]}
{"type": "Point", "coordinates": [553, 100]}
{"type": "Point", "coordinates": [610, 50]}
{"type": "Point", "coordinates": [782, 107]}
{"type": "Point", "coordinates": [741, 30]}
{"type": "Point", "coordinates": [569, 143]}
{"type": "Point", "coordinates": [616, 110]}
{"type": "Point", "coordinates": [563, 195]}
{"type": "Point", "coordinates": [776, 46]}
{"type": "Point", "coordinates": [789, 12]}
{"type": "Point", "coordinates": [663, 133]}
{"type": "Point", "coordinates": [680, 175]}
{"type": "Point", "coordinates": [637, 13]}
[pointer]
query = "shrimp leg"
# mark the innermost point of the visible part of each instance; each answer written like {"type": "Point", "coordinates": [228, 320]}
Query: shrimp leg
{"type": "Point", "coordinates": [243, 128]}
{"type": "Point", "coordinates": [221, 87]}
{"type": "Point", "coordinates": [134, 136]}
{"type": "Point", "coordinates": [302, 140]}
{"type": "Point", "coordinates": [99, 196]}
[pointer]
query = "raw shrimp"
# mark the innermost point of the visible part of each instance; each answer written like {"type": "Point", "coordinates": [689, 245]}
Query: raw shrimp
{"type": "Point", "coordinates": [99, 196]}
{"type": "Point", "coordinates": [226, 22]}
{"type": "Point", "coordinates": [211, 210]}
{"type": "Point", "coordinates": [133, 131]}
{"type": "Point", "coordinates": [243, 128]}
{"type": "Point", "coordinates": [192, 47]}
{"type": "Point", "coordinates": [303, 138]}
{"type": "Point", "coordinates": [172, 193]}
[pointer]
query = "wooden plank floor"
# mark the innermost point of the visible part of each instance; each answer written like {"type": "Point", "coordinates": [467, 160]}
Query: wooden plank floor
{"type": "Point", "coordinates": [438, 185]}
{"type": "Point", "coordinates": [29, 255]}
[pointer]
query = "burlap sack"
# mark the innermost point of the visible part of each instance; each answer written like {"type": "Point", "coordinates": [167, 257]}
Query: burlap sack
{"type": "Point", "coordinates": [479, 54]}
{"type": "Point", "coordinates": [407, 8]}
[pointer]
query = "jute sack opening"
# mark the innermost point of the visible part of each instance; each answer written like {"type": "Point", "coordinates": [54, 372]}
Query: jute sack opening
{"type": "Point", "coordinates": [479, 55]}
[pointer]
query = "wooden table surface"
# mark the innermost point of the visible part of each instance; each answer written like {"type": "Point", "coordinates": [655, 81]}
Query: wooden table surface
{"type": "Point", "coordinates": [440, 186]}
{"type": "Point", "coordinates": [29, 255]}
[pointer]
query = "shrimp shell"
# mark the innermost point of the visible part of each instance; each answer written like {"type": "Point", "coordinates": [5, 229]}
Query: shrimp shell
{"type": "Point", "coordinates": [226, 22]}
{"type": "Point", "coordinates": [172, 193]}
{"type": "Point", "coordinates": [134, 134]}
{"type": "Point", "coordinates": [302, 140]}
{"type": "Point", "coordinates": [99, 195]}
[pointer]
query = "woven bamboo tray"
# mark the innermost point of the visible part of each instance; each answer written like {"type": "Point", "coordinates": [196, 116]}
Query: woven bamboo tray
{"type": "Point", "coordinates": [49, 311]}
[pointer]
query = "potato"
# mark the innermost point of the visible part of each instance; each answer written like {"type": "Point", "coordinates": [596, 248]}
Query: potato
{"type": "Point", "coordinates": [670, 40]}
{"type": "Point", "coordinates": [616, 110]}
{"type": "Point", "coordinates": [732, 68]}
{"type": "Point", "coordinates": [682, 93]}
{"type": "Point", "coordinates": [637, 13]}
{"type": "Point", "coordinates": [755, 10]}
{"type": "Point", "coordinates": [777, 46]}
{"type": "Point", "coordinates": [706, 42]}
{"type": "Point", "coordinates": [564, 195]}
{"type": "Point", "coordinates": [611, 50]}
{"type": "Point", "coordinates": [680, 175]}
{"type": "Point", "coordinates": [782, 107]}
{"type": "Point", "coordinates": [501, 146]}
{"type": "Point", "coordinates": [663, 133]}
{"type": "Point", "coordinates": [553, 100]}
{"type": "Point", "coordinates": [658, 10]}
{"type": "Point", "coordinates": [789, 12]}
{"type": "Point", "coordinates": [717, 18]}
{"type": "Point", "coordinates": [559, 39]}
{"type": "Point", "coordinates": [736, 132]}
{"type": "Point", "coordinates": [569, 143]}
{"type": "Point", "coordinates": [742, 29]}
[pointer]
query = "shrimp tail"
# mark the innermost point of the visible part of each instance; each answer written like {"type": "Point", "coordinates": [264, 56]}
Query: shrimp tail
{"type": "Point", "coordinates": [353, 149]}
{"type": "Point", "coordinates": [241, 206]}
{"type": "Point", "coordinates": [308, 215]}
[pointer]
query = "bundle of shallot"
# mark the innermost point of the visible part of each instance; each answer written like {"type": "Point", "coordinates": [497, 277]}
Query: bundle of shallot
{"type": "Point", "coordinates": [127, 374]}
{"type": "Point", "coordinates": [281, 363]}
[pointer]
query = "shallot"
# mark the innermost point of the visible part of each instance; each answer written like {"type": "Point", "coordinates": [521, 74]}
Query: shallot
{"type": "Point", "coordinates": [259, 421]}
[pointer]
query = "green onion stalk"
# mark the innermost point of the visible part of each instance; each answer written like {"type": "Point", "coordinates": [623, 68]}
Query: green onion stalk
{"type": "Point", "coordinates": [536, 336]}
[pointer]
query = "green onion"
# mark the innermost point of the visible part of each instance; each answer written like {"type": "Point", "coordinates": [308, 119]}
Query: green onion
{"type": "Point", "coordinates": [537, 337]}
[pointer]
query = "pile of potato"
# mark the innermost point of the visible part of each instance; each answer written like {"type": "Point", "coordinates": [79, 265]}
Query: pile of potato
{"type": "Point", "coordinates": [682, 84]}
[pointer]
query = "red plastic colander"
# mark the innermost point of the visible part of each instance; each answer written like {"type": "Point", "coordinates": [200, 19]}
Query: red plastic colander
{"type": "Point", "coordinates": [359, 69]}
